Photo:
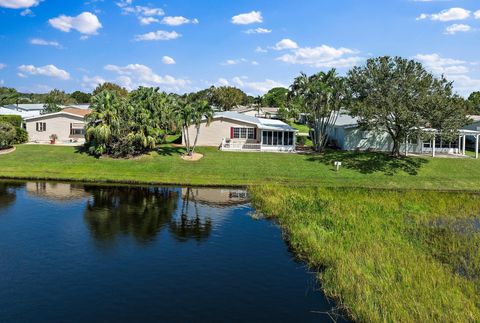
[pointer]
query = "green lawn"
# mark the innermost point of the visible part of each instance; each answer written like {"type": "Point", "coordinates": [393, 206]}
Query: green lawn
{"type": "Point", "coordinates": [385, 256]}
{"type": "Point", "coordinates": [234, 169]}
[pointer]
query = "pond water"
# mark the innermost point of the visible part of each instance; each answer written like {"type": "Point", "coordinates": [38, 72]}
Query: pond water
{"type": "Point", "coordinates": [73, 252]}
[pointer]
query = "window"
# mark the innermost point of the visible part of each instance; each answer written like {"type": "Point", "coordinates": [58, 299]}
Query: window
{"type": "Point", "coordinates": [243, 133]}
{"type": "Point", "coordinates": [41, 126]}
{"type": "Point", "coordinates": [77, 129]}
{"type": "Point", "coordinates": [277, 138]}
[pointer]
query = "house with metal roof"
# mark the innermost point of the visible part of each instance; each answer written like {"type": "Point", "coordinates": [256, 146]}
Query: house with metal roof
{"type": "Point", "coordinates": [232, 131]}
{"type": "Point", "coordinates": [346, 134]}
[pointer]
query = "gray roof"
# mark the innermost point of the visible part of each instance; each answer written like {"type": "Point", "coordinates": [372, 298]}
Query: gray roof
{"type": "Point", "coordinates": [266, 124]}
{"type": "Point", "coordinates": [344, 120]}
{"type": "Point", "coordinates": [25, 107]}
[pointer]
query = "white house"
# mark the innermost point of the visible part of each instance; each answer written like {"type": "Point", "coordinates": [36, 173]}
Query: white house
{"type": "Point", "coordinates": [239, 132]}
{"type": "Point", "coordinates": [68, 125]}
{"type": "Point", "coordinates": [346, 134]}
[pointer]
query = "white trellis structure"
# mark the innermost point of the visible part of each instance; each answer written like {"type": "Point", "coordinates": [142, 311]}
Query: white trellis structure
{"type": "Point", "coordinates": [462, 143]}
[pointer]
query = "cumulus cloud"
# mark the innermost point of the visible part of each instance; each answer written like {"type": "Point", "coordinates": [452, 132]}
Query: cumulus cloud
{"type": "Point", "coordinates": [447, 15]}
{"type": "Point", "coordinates": [260, 87]}
{"type": "Point", "coordinates": [43, 42]}
{"type": "Point", "coordinates": [258, 31]}
{"type": "Point", "coordinates": [134, 75]}
{"type": "Point", "coordinates": [18, 4]}
{"type": "Point", "coordinates": [158, 35]}
{"type": "Point", "coordinates": [454, 70]}
{"type": "Point", "coordinates": [167, 60]}
{"type": "Point", "coordinates": [441, 65]}
{"type": "Point", "coordinates": [477, 14]}
{"type": "Point", "coordinates": [322, 56]}
{"type": "Point", "coordinates": [456, 28]}
{"type": "Point", "coordinates": [248, 18]}
{"type": "Point", "coordinates": [260, 49]}
{"type": "Point", "coordinates": [145, 15]}
{"type": "Point", "coordinates": [2, 66]}
{"type": "Point", "coordinates": [285, 44]}
{"type": "Point", "coordinates": [85, 23]}
{"type": "Point", "coordinates": [91, 83]}
{"type": "Point", "coordinates": [47, 70]}
{"type": "Point", "coordinates": [178, 21]}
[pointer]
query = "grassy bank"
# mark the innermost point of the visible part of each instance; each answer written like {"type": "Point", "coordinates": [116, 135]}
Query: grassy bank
{"type": "Point", "coordinates": [386, 255]}
{"type": "Point", "coordinates": [230, 168]}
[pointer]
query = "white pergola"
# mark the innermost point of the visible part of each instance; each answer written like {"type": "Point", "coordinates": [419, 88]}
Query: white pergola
{"type": "Point", "coordinates": [462, 140]}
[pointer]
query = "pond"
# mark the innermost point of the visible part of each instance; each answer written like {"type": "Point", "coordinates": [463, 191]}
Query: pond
{"type": "Point", "coordinates": [74, 252]}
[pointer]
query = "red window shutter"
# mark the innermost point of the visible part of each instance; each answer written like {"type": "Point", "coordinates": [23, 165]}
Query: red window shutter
{"type": "Point", "coordinates": [231, 132]}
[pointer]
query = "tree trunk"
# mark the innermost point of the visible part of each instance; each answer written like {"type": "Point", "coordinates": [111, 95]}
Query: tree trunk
{"type": "Point", "coordinates": [396, 147]}
{"type": "Point", "coordinates": [318, 137]}
{"type": "Point", "coordinates": [187, 140]}
{"type": "Point", "coordinates": [196, 139]}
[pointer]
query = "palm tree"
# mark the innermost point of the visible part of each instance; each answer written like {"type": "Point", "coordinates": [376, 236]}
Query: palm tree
{"type": "Point", "coordinates": [193, 112]}
{"type": "Point", "coordinates": [322, 95]}
{"type": "Point", "coordinates": [202, 111]}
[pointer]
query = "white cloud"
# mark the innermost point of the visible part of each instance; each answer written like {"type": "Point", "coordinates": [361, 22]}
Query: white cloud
{"type": "Point", "coordinates": [261, 87]}
{"type": "Point", "coordinates": [85, 23]}
{"type": "Point", "coordinates": [43, 42]}
{"type": "Point", "coordinates": [2, 66]}
{"type": "Point", "coordinates": [158, 35]}
{"type": "Point", "coordinates": [258, 31]}
{"type": "Point", "coordinates": [465, 84]}
{"type": "Point", "coordinates": [2, 82]}
{"type": "Point", "coordinates": [230, 62]}
{"type": "Point", "coordinates": [147, 20]}
{"type": "Point", "coordinates": [322, 56]}
{"type": "Point", "coordinates": [285, 44]}
{"type": "Point", "coordinates": [456, 28]}
{"type": "Point", "coordinates": [447, 15]}
{"type": "Point", "coordinates": [27, 12]}
{"type": "Point", "coordinates": [167, 60]}
{"type": "Point", "coordinates": [223, 82]}
{"type": "Point", "coordinates": [47, 70]}
{"type": "Point", "coordinates": [260, 49]}
{"type": "Point", "coordinates": [477, 14]}
{"type": "Point", "coordinates": [91, 83]}
{"type": "Point", "coordinates": [18, 4]}
{"type": "Point", "coordinates": [247, 18]}
{"type": "Point", "coordinates": [134, 75]}
{"type": "Point", "coordinates": [178, 21]}
{"type": "Point", "coordinates": [440, 65]}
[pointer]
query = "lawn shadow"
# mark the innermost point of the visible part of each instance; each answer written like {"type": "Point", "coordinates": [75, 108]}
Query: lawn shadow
{"type": "Point", "coordinates": [370, 162]}
{"type": "Point", "coordinates": [170, 151]}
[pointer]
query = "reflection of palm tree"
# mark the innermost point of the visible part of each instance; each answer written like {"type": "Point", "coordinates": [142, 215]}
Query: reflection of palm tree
{"type": "Point", "coordinates": [139, 211]}
{"type": "Point", "coordinates": [188, 227]}
{"type": "Point", "coordinates": [8, 194]}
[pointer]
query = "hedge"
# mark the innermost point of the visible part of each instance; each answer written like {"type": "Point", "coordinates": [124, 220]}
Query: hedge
{"type": "Point", "coordinates": [14, 120]}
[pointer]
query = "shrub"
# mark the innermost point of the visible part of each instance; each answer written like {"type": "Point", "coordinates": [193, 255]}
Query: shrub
{"type": "Point", "coordinates": [301, 140]}
{"type": "Point", "coordinates": [14, 120]}
{"type": "Point", "coordinates": [7, 134]}
{"type": "Point", "coordinates": [21, 136]}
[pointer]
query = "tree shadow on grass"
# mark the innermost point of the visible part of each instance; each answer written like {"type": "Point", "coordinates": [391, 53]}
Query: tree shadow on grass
{"type": "Point", "coordinates": [368, 162]}
{"type": "Point", "coordinates": [170, 151]}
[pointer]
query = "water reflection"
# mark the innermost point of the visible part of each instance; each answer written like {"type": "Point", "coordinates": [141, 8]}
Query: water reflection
{"type": "Point", "coordinates": [143, 212]}
{"type": "Point", "coordinates": [137, 211]}
{"type": "Point", "coordinates": [190, 224]}
{"type": "Point", "coordinates": [8, 194]}
{"type": "Point", "coordinates": [56, 192]}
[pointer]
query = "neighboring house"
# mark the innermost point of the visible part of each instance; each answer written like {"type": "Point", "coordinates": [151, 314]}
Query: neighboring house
{"type": "Point", "coordinates": [346, 134]}
{"type": "Point", "coordinates": [23, 114]}
{"type": "Point", "coordinates": [34, 109]}
{"type": "Point", "coordinates": [68, 125]}
{"type": "Point", "coordinates": [236, 131]}
{"type": "Point", "coordinates": [259, 112]}
{"type": "Point", "coordinates": [474, 124]}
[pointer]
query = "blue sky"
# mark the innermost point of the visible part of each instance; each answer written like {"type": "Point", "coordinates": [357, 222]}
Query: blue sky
{"type": "Point", "coordinates": [182, 46]}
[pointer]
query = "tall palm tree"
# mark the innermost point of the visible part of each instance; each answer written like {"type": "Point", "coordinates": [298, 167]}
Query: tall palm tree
{"type": "Point", "coordinates": [322, 96]}
{"type": "Point", "coordinates": [202, 111]}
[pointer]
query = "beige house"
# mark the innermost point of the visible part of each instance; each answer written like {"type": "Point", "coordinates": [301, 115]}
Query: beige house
{"type": "Point", "coordinates": [68, 125]}
{"type": "Point", "coordinates": [239, 132]}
